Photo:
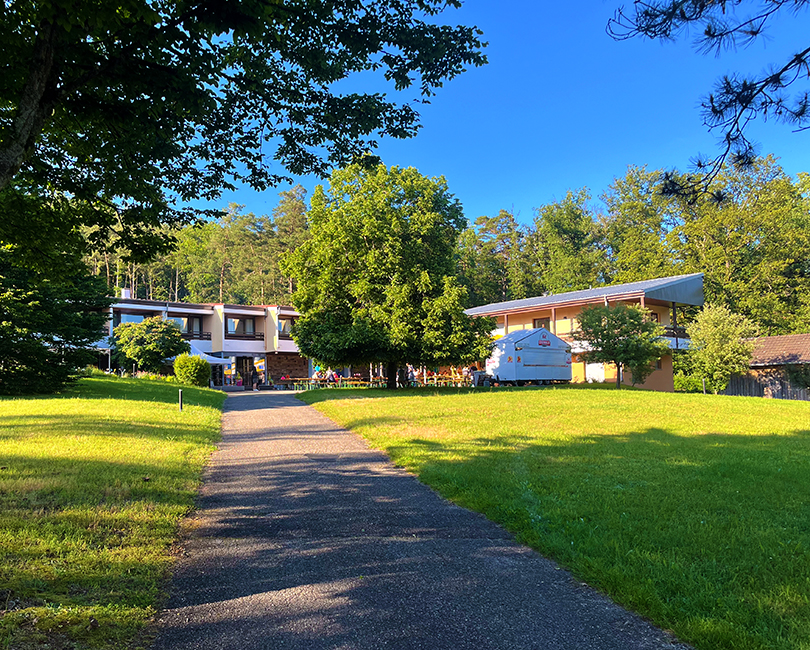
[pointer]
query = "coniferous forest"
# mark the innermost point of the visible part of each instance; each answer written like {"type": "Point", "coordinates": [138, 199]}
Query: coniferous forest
{"type": "Point", "coordinates": [750, 236]}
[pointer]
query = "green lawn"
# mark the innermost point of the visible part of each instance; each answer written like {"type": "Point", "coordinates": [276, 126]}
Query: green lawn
{"type": "Point", "coordinates": [692, 510]}
{"type": "Point", "coordinates": [93, 484]}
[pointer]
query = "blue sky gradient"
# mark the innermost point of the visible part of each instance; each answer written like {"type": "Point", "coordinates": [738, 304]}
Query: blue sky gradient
{"type": "Point", "coordinates": [562, 106]}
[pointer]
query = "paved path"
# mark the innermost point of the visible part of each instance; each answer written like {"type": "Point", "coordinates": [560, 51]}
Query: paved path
{"type": "Point", "coordinates": [306, 538]}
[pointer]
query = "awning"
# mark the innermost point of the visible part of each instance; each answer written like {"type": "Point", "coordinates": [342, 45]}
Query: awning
{"type": "Point", "coordinates": [196, 352]}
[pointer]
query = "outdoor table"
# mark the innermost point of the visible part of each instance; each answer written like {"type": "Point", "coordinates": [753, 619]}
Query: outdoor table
{"type": "Point", "coordinates": [305, 383]}
{"type": "Point", "coordinates": [354, 383]}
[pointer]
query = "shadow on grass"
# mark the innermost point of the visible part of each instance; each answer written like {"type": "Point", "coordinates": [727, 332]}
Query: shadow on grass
{"type": "Point", "coordinates": [139, 390]}
{"type": "Point", "coordinates": [326, 394]}
{"type": "Point", "coordinates": [79, 426]}
{"type": "Point", "coordinates": [706, 535]}
{"type": "Point", "coordinates": [87, 534]}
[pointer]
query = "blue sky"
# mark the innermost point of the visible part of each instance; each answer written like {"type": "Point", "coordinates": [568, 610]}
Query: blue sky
{"type": "Point", "coordinates": [562, 106]}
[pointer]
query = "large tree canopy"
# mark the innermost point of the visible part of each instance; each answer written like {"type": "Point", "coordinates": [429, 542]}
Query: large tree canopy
{"type": "Point", "coordinates": [376, 278]}
{"type": "Point", "coordinates": [132, 108]}
{"type": "Point", "coordinates": [737, 98]}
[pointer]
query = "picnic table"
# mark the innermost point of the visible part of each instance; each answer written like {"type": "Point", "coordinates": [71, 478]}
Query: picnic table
{"type": "Point", "coordinates": [447, 380]}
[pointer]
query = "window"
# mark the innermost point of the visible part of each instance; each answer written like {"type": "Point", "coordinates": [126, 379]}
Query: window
{"type": "Point", "coordinates": [285, 326]}
{"type": "Point", "coordinates": [187, 324]}
{"type": "Point", "coordinates": [182, 323]}
{"type": "Point", "coordinates": [654, 317]}
{"type": "Point", "coordinates": [240, 326]}
{"type": "Point", "coordinates": [545, 323]}
{"type": "Point", "coordinates": [119, 318]}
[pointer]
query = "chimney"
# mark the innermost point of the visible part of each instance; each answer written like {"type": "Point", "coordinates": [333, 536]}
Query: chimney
{"type": "Point", "coordinates": [125, 293]}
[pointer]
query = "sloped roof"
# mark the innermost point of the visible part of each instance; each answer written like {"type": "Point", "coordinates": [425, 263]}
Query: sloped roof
{"type": "Point", "coordinates": [781, 350]}
{"type": "Point", "coordinates": [680, 289]}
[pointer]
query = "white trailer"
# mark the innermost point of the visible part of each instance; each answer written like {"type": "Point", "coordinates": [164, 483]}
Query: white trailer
{"type": "Point", "coordinates": [525, 356]}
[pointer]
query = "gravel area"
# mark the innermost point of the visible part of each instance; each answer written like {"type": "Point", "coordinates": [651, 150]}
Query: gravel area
{"type": "Point", "coordinates": [306, 538]}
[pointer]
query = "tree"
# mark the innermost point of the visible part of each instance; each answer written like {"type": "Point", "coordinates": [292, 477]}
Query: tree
{"type": "Point", "coordinates": [721, 345]}
{"type": "Point", "coordinates": [375, 280]}
{"type": "Point", "coordinates": [753, 247]}
{"type": "Point", "coordinates": [636, 225]}
{"type": "Point", "coordinates": [567, 245]}
{"type": "Point", "coordinates": [47, 326]}
{"type": "Point", "coordinates": [149, 343]}
{"type": "Point", "coordinates": [737, 99]}
{"type": "Point", "coordinates": [493, 263]}
{"type": "Point", "coordinates": [134, 108]}
{"type": "Point", "coordinates": [624, 336]}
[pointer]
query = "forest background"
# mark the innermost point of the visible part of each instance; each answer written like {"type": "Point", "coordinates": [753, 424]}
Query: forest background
{"type": "Point", "coordinates": [753, 245]}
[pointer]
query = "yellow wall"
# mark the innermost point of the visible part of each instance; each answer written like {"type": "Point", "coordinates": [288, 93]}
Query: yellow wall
{"type": "Point", "coordinates": [270, 330]}
{"type": "Point", "coordinates": [661, 379]}
{"type": "Point", "coordinates": [566, 319]}
{"type": "Point", "coordinates": [566, 324]}
{"type": "Point", "coordinates": [218, 329]}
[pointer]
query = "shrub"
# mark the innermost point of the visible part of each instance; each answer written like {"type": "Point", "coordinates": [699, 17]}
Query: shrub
{"type": "Point", "coordinates": [192, 370]}
{"type": "Point", "coordinates": [688, 383]}
{"type": "Point", "coordinates": [153, 376]}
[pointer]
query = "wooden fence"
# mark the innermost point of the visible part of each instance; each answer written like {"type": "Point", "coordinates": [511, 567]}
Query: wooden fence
{"type": "Point", "coordinates": [773, 384]}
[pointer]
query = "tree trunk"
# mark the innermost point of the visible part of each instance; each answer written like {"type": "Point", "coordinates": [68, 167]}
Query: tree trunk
{"type": "Point", "coordinates": [391, 368]}
{"type": "Point", "coordinates": [35, 106]}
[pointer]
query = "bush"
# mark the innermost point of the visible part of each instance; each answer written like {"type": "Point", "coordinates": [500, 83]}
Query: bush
{"type": "Point", "coordinates": [192, 370]}
{"type": "Point", "coordinates": [153, 376]}
{"type": "Point", "coordinates": [688, 383]}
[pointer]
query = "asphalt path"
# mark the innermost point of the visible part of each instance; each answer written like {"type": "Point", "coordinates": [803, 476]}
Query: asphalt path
{"type": "Point", "coordinates": [307, 538]}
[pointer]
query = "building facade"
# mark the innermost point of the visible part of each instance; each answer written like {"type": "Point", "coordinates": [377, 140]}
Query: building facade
{"type": "Point", "coordinates": [558, 314]}
{"type": "Point", "coordinates": [235, 338]}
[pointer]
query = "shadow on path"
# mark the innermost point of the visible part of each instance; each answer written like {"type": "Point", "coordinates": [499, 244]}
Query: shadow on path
{"type": "Point", "coordinates": [306, 538]}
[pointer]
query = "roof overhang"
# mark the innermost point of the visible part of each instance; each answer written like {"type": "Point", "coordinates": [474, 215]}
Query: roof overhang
{"type": "Point", "coordinates": [681, 290]}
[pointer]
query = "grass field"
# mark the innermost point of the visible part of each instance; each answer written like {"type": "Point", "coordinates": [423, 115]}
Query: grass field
{"type": "Point", "coordinates": [93, 484]}
{"type": "Point", "coordinates": [692, 510]}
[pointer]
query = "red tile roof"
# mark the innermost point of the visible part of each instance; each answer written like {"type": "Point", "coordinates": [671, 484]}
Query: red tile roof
{"type": "Point", "coordinates": [781, 350]}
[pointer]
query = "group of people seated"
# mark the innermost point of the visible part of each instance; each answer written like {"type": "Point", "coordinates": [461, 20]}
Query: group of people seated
{"type": "Point", "coordinates": [420, 375]}
{"type": "Point", "coordinates": [414, 375]}
{"type": "Point", "coordinates": [329, 376]}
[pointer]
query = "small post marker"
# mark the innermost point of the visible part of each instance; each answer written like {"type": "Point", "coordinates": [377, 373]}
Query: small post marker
{"type": "Point", "coordinates": [704, 386]}
{"type": "Point", "coordinates": [181, 399]}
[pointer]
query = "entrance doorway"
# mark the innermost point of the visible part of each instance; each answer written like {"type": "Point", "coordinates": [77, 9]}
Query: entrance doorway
{"type": "Point", "coordinates": [244, 366]}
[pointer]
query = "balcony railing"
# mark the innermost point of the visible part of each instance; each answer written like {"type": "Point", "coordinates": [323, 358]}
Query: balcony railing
{"type": "Point", "coordinates": [198, 336]}
{"type": "Point", "coordinates": [676, 332]}
{"type": "Point", "coordinates": [252, 336]}
{"type": "Point", "coordinates": [669, 332]}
